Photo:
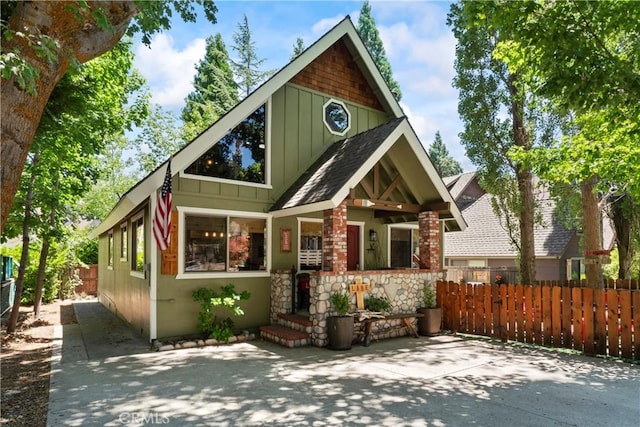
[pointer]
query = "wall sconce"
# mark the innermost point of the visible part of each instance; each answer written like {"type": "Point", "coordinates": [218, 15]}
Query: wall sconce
{"type": "Point", "coordinates": [373, 236]}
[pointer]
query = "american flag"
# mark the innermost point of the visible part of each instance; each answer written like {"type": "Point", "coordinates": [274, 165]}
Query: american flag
{"type": "Point", "coordinates": [162, 217]}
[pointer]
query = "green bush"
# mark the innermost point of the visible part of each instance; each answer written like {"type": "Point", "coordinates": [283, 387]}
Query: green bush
{"type": "Point", "coordinates": [378, 304]}
{"type": "Point", "coordinates": [429, 296]}
{"type": "Point", "coordinates": [340, 303]}
{"type": "Point", "coordinates": [209, 324]}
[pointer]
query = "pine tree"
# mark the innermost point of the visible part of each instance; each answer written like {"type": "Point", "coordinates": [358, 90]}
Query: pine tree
{"type": "Point", "coordinates": [441, 159]}
{"type": "Point", "coordinates": [247, 67]}
{"type": "Point", "coordinates": [215, 92]}
{"type": "Point", "coordinates": [371, 38]}
{"type": "Point", "coordinates": [298, 48]}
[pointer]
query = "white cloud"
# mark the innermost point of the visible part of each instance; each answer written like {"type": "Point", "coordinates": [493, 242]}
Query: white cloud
{"type": "Point", "coordinates": [169, 70]}
{"type": "Point", "coordinates": [324, 25]}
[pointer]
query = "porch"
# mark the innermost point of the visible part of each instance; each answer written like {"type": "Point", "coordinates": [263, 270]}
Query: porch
{"type": "Point", "coordinates": [402, 288]}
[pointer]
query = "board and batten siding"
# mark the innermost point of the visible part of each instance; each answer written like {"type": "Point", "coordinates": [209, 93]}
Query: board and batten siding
{"type": "Point", "coordinates": [298, 133]}
{"type": "Point", "coordinates": [125, 295]}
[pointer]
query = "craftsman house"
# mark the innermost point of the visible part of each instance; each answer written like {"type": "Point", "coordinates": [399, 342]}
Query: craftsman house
{"type": "Point", "coordinates": [317, 170]}
{"type": "Point", "coordinates": [483, 250]}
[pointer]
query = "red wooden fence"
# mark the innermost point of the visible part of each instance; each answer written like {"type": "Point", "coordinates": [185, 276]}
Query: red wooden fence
{"type": "Point", "coordinates": [593, 321]}
{"type": "Point", "coordinates": [89, 277]}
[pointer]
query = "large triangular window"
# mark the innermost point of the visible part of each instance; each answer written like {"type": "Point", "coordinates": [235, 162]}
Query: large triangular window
{"type": "Point", "coordinates": [239, 155]}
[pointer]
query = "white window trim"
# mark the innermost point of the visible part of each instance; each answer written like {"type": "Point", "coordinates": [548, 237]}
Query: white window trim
{"type": "Point", "coordinates": [126, 257]}
{"type": "Point", "coordinates": [134, 273]}
{"type": "Point", "coordinates": [406, 226]}
{"type": "Point", "coordinates": [300, 221]}
{"type": "Point", "coordinates": [111, 247]}
{"type": "Point", "coordinates": [185, 210]}
{"type": "Point", "coordinates": [324, 118]}
{"type": "Point", "coordinates": [267, 158]}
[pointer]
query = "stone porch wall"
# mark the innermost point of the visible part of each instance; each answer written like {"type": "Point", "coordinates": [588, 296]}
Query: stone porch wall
{"type": "Point", "coordinates": [402, 288]}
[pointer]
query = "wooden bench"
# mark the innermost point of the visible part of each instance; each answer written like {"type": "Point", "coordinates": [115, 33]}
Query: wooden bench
{"type": "Point", "coordinates": [359, 289]}
{"type": "Point", "coordinates": [406, 323]}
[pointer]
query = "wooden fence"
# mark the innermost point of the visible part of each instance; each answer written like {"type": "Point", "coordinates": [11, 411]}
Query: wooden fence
{"type": "Point", "coordinates": [596, 322]}
{"type": "Point", "coordinates": [89, 277]}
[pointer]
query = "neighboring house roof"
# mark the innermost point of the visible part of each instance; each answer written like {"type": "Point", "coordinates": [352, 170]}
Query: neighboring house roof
{"type": "Point", "coordinates": [487, 237]}
{"type": "Point", "coordinates": [344, 31]}
{"type": "Point", "coordinates": [456, 184]}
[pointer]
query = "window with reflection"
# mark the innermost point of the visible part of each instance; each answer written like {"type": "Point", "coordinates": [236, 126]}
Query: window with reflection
{"type": "Point", "coordinates": [221, 243]}
{"type": "Point", "coordinates": [137, 261]}
{"type": "Point", "coordinates": [404, 248]}
{"type": "Point", "coordinates": [239, 155]}
{"type": "Point", "coordinates": [110, 250]}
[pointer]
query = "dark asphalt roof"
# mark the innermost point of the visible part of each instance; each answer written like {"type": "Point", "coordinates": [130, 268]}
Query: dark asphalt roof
{"type": "Point", "coordinates": [335, 167]}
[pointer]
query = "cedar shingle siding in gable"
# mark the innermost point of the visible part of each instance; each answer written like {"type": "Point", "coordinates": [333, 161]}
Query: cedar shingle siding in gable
{"type": "Point", "coordinates": [335, 73]}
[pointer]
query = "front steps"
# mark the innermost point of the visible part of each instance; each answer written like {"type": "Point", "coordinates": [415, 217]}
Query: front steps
{"type": "Point", "coordinates": [292, 330]}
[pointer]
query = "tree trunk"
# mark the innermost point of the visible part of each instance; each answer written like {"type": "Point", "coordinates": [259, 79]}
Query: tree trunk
{"type": "Point", "coordinates": [592, 225]}
{"type": "Point", "coordinates": [44, 252]}
{"type": "Point", "coordinates": [37, 299]}
{"type": "Point", "coordinates": [524, 177]}
{"type": "Point", "coordinates": [24, 258]}
{"type": "Point", "coordinates": [622, 223]}
{"type": "Point", "coordinates": [21, 111]}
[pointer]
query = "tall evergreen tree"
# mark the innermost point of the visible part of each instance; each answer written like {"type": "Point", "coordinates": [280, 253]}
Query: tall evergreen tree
{"type": "Point", "coordinates": [442, 160]}
{"type": "Point", "coordinates": [247, 66]}
{"type": "Point", "coordinates": [371, 38]}
{"type": "Point", "coordinates": [298, 48]}
{"type": "Point", "coordinates": [215, 92]}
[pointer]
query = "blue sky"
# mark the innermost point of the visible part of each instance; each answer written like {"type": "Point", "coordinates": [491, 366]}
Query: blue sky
{"type": "Point", "coordinates": [419, 46]}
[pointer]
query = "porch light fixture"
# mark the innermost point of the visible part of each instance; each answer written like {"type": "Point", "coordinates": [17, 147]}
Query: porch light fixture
{"type": "Point", "coordinates": [373, 236]}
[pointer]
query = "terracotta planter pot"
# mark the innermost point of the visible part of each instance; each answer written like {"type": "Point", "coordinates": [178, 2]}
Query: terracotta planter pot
{"type": "Point", "coordinates": [430, 323]}
{"type": "Point", "coordinates": [340, 331]}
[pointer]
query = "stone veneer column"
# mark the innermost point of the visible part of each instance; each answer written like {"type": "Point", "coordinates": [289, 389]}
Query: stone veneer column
{"type": "Point", "coordinates": [429, 240]}
{"type": "Point", "coordinates": [334, 239]}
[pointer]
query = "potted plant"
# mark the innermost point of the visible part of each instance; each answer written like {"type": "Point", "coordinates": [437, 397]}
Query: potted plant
{"type": "Point", "coordinates": [340, 325]}
{"type": "Point", "coordinates": [429, 324]}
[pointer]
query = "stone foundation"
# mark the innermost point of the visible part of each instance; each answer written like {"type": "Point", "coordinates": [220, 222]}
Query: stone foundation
{"type": "Point", "coordinates": [402, 288]}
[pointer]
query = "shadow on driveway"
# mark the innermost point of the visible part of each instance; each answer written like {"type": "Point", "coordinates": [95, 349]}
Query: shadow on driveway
{"type": "Point", "coordinates": [445, 380]}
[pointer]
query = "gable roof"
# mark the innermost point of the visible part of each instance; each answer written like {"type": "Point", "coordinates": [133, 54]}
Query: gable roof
{"type": "Point", "coordinates": [345, 32]}
{"type": "Point", "coordinates": [334, 168]}
{"type": "Point", "coordinates": [486, 237]}
{"type": "Point", "coordinates": [344, 164]}
{"type": "Point", "coordinates": [456, 184]}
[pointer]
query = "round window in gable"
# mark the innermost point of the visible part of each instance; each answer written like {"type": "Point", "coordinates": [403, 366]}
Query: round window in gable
{"type": "Point", "coordinates": [336, 117]}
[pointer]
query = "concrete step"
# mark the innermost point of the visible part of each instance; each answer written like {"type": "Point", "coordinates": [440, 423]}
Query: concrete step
{"type": "Point", "coordinates": [296, 321]}
{"type": "Point", "coordinates": [284, 336]}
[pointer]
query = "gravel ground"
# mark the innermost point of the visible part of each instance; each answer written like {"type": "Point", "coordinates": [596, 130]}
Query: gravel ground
{"type": "Point", "coordinates": [26, 363]}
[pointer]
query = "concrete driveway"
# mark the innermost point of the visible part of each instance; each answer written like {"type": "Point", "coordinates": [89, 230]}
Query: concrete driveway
{"type": "Point", "coordinates": [104, 375]}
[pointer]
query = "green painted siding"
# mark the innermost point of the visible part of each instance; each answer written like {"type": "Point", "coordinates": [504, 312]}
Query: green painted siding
{"type": "Point", "coordinates": [125, 295]}
{"type": "Point", "coordinates": [178, 312]}
{"type": "Point", "coordinates": [299, 135]}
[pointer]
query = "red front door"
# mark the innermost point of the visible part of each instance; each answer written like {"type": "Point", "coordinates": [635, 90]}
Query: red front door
{"type": "Point", "coordinates": [353, 247]}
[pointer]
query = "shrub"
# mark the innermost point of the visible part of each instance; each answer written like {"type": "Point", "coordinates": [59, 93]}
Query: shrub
{"type": "Point", "coordinates": [378, 304]}
{"type": "Point", "coordinates": [340, 303]}
{"type": "Point", "coordinates": [209, 324]}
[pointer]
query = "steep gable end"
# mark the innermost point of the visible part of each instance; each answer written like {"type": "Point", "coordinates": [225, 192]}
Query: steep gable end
{"type": "Point", "coordinates": [335, 73]}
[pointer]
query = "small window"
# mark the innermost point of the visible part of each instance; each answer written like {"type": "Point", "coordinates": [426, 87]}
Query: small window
{"type": "Point", "coordinates": [224, 244]}
{"type": "Point", "coordinates": [123, 242]}
{"type": "Point", "coordinates": [310, 252]}
{"type": "Point", "coordinates": [336, 117]}
{"type": "Point", "coordinates": [137, 238]}
{"type": "Point", "coordinates": [110, 250]}
{"type": "Point", "coordinates": [404, 248]}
